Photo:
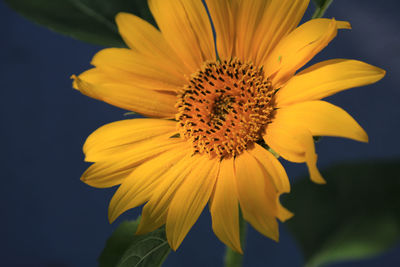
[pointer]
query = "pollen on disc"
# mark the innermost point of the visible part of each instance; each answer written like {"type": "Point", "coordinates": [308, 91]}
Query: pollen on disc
{"type": "Point", "coordinates": [224, 107]}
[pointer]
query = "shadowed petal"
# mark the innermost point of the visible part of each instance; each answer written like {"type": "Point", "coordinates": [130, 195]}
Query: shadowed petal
{"type": "Point", "coordinates": [224, 206]}
{"type": "Point", "coordinates": [190, 200]}
{"type": "Point", "coordinates": [257, 195]}
{"type": "Point", "coordinates": [137, 188]}
{"type": "Point", "coordinates": [114, 169]}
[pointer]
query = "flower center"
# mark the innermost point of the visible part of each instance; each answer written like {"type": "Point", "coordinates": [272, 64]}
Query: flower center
{"type": "Point", "coordinates": [224, 107]}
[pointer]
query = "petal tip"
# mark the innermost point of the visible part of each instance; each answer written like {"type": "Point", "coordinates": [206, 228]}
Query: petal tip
{"type": "Point", "coordinates": [343, 25]}
{"type": "Point", "coordinates": [275, 237]}
{"type": "Point", "coordinates": [83, 178]}
{"type": "Point", "coordinates": [319, 181]}
{"type": "Point", "coordinates": [364, 137]}
{"type": "Point", "coordinates": [382, 73]}
{"type": "Point", "coordinates": [120, 15]}
{"type": "Point", "coordinates": [111, 217]}
{"type": "Point", "coordinates": [75, 81]}
{"type": "Point", "coordinates": [139, 230]}
{"type": "Point", "coordinates": [284, 214]}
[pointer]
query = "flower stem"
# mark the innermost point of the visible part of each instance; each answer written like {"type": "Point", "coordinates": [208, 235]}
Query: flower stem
{"type": "Point", "coordinates": [320, 11]}
{"type": "Point", "coordinates": [232, 258]}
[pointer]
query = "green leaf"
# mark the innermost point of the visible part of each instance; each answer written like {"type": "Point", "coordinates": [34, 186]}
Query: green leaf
{"type": "Point", "coordinates": [356, 215]}
{"type": "Point", "coordinates": [321, 7]}
{"type": "Point", "coordinates": [87, 20]}
{"type": "Point", "coordinates": [124, 249]}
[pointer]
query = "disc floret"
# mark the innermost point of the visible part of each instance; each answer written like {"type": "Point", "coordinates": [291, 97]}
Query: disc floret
{"type": "Point", "coordinates": [224, 107]}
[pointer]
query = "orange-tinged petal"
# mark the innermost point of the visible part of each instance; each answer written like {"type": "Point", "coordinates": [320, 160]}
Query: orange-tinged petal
{"type": "Point", "coordinates": [113, 170]}
{"type": "Point", "coordinates": [327, 78]}
{"type": "Point", "coordinates": [224, 207]}
{"type": "Point", "coordinates": [297, 48]}
{"type": "Point", "coordinates": [261, 24]}
{"type": "Point", "coordinates": [147, 102]}
{"type": "Point", "coordinates": [222, 16]}
{"type": "Point", "coordinates": [322, 119]}
{"type": "Point", "coordinates": [248, 17]}
{"type": "Point", "coordinates": [155, 212]}
{"type": "Point", "coordinates": [186, 27]}
{"type": "Point", "coordinates": [137, 188]}
{"type": "Point", "coordinates": [141, 70]}
{"type": "Point", "coordinates": [144, 38]}
{"type": "Point", "coordinates": [190, 199]}
{"type": "Point", "coordinates": [257, 195]}
{"type": "Point", "coordinates": [122, 136]}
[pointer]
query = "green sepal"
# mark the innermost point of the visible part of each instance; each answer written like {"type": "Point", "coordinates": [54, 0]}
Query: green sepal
{"type": "Point", "coordinates": [320, 8]}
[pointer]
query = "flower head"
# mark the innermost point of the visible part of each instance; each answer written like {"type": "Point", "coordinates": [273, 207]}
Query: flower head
{"type": "Point", "coordinates": [213, 117]}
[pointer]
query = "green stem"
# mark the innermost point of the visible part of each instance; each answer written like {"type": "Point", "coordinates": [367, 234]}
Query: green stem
{"type": "Point", "coordinates": [320, 11]}
{"type": "Point", "coordinates": [232, 258]}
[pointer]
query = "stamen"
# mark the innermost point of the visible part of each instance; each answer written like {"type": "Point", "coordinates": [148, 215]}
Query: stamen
{"type": "Point", "coordinates": [224, 107]}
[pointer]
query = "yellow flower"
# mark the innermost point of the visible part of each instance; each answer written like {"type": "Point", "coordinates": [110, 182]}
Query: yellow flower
{"type": "Point", "coordinates": [211, 117]}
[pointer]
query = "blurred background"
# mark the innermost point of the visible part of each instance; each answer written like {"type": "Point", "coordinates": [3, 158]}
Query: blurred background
{"type": "Point", "coordinates": [51, 218]}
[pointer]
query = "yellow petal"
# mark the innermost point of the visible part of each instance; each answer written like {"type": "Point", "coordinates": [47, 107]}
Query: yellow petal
{"type": "Point", "coordinates": [147, 102]}
{"type": "Point", "coordinates": [122, 136]}
{"type": "Point", "coordinates": [94, 76]}
{"type": "Point", "coordinates": [274, 170]}
{"type": "Point", "coordinates": [224, 207]}
{"type": "Point", "coordinates": [248, 17]}
{"type": "Point", "coordinates": [190, 199]}
{"type": "Point", "coordinates": [257, 195]}
{"type": "Point", "coordinates": [293, 143]}
{"type": "Point", "coordinates": [283, 214]}
{"type": "Point", "coordinates": [282, 142]}
{"type": "Point", "coordinates": [137, 188]}
{"type": "Point", "coordinates": [297, 48]}
{"type": "Point", "coordinates": [327, 78]}
{"type": "Point", "coordinates": [113, 170]}
{"type": "Point", "coordinates": [272, 167]}
{"type": "Point", "coordinates": [186, 27]}
{"type": "Point", "coordinates": [130, 67]}
{"type": "Point", "coordinates": [222, 16]}
{"type": "Point", "coordinates": [278, 19]}
{"type": "Point", "coordinates": [144, 38]}
{"type": "Point", "coordinates": [322, 119]}
{"type": "Point", "coordinates": [104, 174]}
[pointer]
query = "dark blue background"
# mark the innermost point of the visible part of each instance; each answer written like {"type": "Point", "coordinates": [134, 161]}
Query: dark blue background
{"type": "Point", "coordinates": [50, 218]}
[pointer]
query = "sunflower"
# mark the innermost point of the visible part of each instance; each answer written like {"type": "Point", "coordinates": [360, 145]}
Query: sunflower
{"type": "Point", "coordinates": [219, 105]}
